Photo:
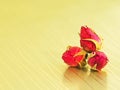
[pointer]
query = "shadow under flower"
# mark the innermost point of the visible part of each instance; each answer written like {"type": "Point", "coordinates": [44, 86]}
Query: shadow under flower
{"type": "Point", "coordinates": [84, 79]}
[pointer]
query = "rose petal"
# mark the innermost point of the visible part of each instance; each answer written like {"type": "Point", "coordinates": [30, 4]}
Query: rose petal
{"type": "Point", "coordinates": [88, 45]}
{"type": "Point", "coordinates": [88, 33]}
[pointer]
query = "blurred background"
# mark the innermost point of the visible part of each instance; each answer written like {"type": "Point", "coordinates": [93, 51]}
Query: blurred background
{"type": "Point", "coordinates": [35, 33]}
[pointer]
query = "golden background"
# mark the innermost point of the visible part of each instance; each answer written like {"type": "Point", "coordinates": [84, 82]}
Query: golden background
{"type": "Point", "coordinates": [35, 33]}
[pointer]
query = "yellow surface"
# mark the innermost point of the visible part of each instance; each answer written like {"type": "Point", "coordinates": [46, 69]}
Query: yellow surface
{"type": "Point", "coordinates": [35, 33]}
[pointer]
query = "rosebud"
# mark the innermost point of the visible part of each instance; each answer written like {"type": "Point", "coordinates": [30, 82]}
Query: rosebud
{"type": "Point", "coordinates": [72, 56]}
{"type": "Point", "coordinates": [98, 61]}
{"type": "Point", "coordinates": [89, 39]}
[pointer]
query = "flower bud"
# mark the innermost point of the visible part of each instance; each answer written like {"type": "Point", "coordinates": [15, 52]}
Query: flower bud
{"type": "Point", "coordinates": [89, 39]}
{"type": "Point", "coordinates": [98, 61]}
{"type": "Point", "coordinates": [72, 56]}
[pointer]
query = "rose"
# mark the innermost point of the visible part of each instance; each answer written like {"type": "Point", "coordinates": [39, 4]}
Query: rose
{"type": "Point", "coordinates": [98, 61]}
{"type": "Point", "coordinates": [88, 54]}
{"type": "Point", "coordinates": [73, 56]}
{"type": "Point", "coordinates": [90, 41]}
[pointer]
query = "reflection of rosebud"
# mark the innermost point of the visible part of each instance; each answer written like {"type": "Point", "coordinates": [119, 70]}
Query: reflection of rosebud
{"type": "Point", "coordinates": [72, 56]}
{"type": "Point", "coordinates": [89, 39]}
{"type": "Point", "coordinates": [98, 61]}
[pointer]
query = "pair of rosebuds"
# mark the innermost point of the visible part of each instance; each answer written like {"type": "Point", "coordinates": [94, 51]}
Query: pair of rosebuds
{"type": "Point", "coordinates": [88, 54]}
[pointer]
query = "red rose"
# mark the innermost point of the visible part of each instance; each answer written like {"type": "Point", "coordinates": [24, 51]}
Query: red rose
{"type": "Point", "coordinates": [89, 39]}
{"type": "Point", "coordinates": [98, 61]}
{"type": "Point", "coordinates": [70, 56]}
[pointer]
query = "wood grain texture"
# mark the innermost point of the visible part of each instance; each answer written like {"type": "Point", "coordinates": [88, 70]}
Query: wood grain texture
{"type": "Point", "coordinates": [35, 33]}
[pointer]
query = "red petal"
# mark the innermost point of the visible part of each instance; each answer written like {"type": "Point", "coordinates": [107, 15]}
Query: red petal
{"type": "Point", "coordinates": [88, 33]}
{"type": "Point", "coordinates": [102, 60]}
{"type": "Point", "coordinates": [88, 45]}
{"type": "Point", "coordinates": [74, 50]}
{"type": "Point", "coordinates": [79, 58]}
{"type": "Point", "coordinates": [92, 62]}
{"type": "Point", "coordinates": [68, 59]}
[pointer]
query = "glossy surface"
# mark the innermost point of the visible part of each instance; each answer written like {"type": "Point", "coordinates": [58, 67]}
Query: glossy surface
{"type": "Point", "coordinates": [35, 33]}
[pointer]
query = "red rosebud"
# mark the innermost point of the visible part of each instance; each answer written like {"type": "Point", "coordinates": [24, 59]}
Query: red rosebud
{"type": "Point", "coordinates": [89, 39]}
{"type": "Point", "coordinates": [98, 61]}
{"type": "Point", "coordinates": [72, 56]}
